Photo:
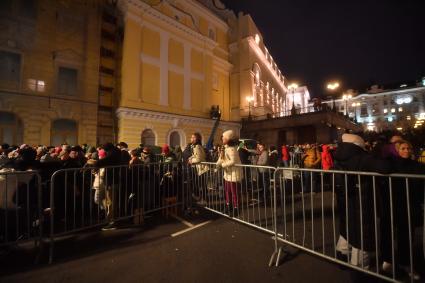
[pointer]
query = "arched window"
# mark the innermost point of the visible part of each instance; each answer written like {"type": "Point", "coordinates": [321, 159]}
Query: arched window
{"type": "Point", "coordinates": [175, 139]}
{"type": "Point", "coordinates": [64, 131]}
{"type": "Point", "coordinates": [148, 137]}
{"type": "Point", "coordinates": [257, 74]}
{"type": "Point", "coordinates": [11, 130]}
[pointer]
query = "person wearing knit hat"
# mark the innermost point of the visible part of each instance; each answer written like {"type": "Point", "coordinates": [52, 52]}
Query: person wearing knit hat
{"type": "Point", "coordinates": [228, 159]}
{"type": "Point", "coordinates": [167, 155]}
{"type": "Point", "coordinates": [355, 200]}
{"type": "Point", "coordinates": [354, 139]}
{"type": "Point", "coordinates": [230, 135]}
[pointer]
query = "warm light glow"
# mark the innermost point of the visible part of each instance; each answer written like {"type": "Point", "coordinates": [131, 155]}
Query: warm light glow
{"type": "Point", "coordinates": [392, 110]}
{"type": "Point", "coordinates": [399, 129]}
{"type": "Point", "coordinates": [408, 118]}
{"type": "Point", "coordinates": [257, 38]}
{"type": "Point", "coordinates": [346, 97]}
{"type": "Point", "coordinates": [333, 85]}
{"type": "Point", "coordinates": [355, 104]}
{"type": "Point", "coordinates": [250, 99]}
{"type": "Point", "coordinates": [385, 110]}
{"type": "Point", "coordinates": [293, 86]}
{"type": "Point", "coordinates": [400, 109]}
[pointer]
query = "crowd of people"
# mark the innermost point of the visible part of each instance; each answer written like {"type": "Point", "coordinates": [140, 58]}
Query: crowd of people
{"type": "Point", "coordinates": [352, 153]}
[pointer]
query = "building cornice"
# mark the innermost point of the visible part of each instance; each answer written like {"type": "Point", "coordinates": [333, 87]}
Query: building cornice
{"type": "Point", "coordinates": [146, 10]}
{"type": "Point", "coordinates": [125, 112]}
{"type": "Point", "coordinates": [262, 57]}
{"type": "Point", "coordinates": [207, 14]}
{"type": "Point", "coordinates": [222, 64]}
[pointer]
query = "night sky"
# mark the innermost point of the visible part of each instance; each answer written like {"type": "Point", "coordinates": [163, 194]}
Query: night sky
{"type": "Point", "coordinates": [357, 42]}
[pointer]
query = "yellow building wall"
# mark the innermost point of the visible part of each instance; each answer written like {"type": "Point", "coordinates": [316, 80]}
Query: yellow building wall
{"type": "Point", "coordinates": [130, 69]}
{"type": "Point", "coordinates": [150, 42]}
{"type": "Point", "coordinates": [175, 90]}
{"type": "Point", "coordinates": [175, 53]}
{"type": "Point", "coordinates": [132, 128]}
{"type": "Point", "coordinates": [149, 81]}
{"type": "Point", "coordinates": [197, 61]}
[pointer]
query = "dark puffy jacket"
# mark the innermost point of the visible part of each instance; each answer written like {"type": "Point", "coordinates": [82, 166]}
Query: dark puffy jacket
{"type": "Point", "coordinates": [357, 195]}
{"type": "Point", "coordinates": [350, 157]}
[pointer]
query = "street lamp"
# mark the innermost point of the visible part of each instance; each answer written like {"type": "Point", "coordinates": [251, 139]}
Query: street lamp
{"type": "Point", "coordinates": [249, 99]}
{"type": "Point", "coordinates": [346, 97]}
{"type": "Point", "coordinates": [332, 87]}
{"type": "Point", "coordinates": [355, 105]}
{"type": "Point", "coordinates": [292, 87]}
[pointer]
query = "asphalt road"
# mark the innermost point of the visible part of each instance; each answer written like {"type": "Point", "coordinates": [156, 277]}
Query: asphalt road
{"type": "Point", "coordinates": [219, 251]}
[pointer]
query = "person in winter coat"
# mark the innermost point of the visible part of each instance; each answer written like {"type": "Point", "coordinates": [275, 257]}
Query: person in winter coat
{"type": "Point", "coordinates": [262, 159]}
{"type": "Point", "coordinates": [113, 157]}
{"type": "Point", "coordinates": [312, 160]}
{"type": "Point", "coordinates": [273, 157]}
{"type": "Point", "coordinates": [228, 158]}
{"type": "Point", "coordinates": [198, 156]}
{"type": "Point", "coordinates": [285, 156]}
{"type": "Point", "coordinates": [166, 155]}
{"type": "Point", "coordinates": [402, 164]}
{"type": "Point", "coordinates": [327, 159]}
{"type": "Point", "coordinates": [351, 156]}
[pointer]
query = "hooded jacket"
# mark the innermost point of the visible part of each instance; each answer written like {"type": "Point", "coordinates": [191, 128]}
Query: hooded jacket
{"type": "Point", "coordinates": [327, 160]}
{"type": "Point", "coordinates": [350, 157]}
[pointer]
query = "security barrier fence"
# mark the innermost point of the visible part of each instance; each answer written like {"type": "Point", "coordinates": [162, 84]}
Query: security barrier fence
{"type": "Point", "coordinates": [366, 221]}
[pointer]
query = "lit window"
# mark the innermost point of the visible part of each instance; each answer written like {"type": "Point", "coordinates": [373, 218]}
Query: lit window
{"type": "Point", "coordinates": [400, 109]}
{"type": "Point", "coordinates": [257, 38]}
{"type": "Point", "coordinates": [408, 118]}
{"type": "Point", "coordinates": [392, 110]}
{"type": "Point", "coordinates": [385, 110]}
{"type": "Point", "coordinates": [36, 85]}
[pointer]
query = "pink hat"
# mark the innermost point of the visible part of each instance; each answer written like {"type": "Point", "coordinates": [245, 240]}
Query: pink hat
{"type": "Point", "coordinates": [102, 153]}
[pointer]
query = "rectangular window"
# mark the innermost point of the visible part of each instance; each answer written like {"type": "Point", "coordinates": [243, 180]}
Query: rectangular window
{"type": "Point", "coordinates": [10, 69]}
{"type": "Point", "coordinates": [363, 111]}
{"type": "Point", "coordinates": [36, 85]}
{"type": "Point", "coordinates": [67, 81]}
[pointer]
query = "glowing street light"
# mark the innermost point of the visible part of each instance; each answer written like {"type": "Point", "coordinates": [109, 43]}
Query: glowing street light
{"type": "Point", "coordinates": [292, 87]}
{"type": "Point", "coordinates": [332, 86]}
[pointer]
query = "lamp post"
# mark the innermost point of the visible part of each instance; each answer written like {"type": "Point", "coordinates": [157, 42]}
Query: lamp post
{"type": "Point", "coordinates": [332, 87]}
{"type": "Point", "coordinates": [292, 87]}
{"type": "Point", "coordinates": [355, 105]}
{"type": "Point", "coordinates": [346, 97]}
{"type": "Point", "coordinates": [249, 99]}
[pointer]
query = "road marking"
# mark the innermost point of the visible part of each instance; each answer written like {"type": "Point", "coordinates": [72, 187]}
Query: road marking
{"type": "Point", "coordinates": [188, 224]}
{"type": "Point", "coordinates": [190, 228]}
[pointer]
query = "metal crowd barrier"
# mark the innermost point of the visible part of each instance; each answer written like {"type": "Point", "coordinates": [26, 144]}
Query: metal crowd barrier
{"type": "Point", "coordinates": [85, 198]}
{"type": "Point", "coordinates": [20, 207]}
{"type": "Point", "coordinates": [242, 192]}
{"type": "Point", "coordinates": [356, 219]}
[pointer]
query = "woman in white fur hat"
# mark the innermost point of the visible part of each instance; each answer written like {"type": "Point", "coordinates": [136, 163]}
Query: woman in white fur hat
{"type": "Point", "coordinates": [232, 174]}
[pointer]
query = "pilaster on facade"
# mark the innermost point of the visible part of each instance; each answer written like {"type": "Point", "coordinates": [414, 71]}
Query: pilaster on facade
{"type": "Point", "coordinates": [163, 98]}
{"type": "Point", "coordinates": [187, 77]}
